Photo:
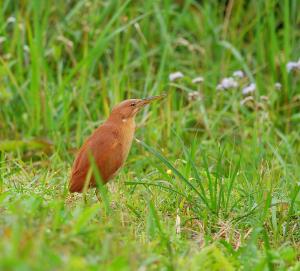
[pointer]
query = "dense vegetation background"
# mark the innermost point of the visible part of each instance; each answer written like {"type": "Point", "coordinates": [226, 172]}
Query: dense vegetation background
{"type": "Point", "coordinates": [213, 183]}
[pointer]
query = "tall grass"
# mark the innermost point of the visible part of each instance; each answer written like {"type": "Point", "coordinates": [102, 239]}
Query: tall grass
{"type": "Point", "coordinates": [228, 168]}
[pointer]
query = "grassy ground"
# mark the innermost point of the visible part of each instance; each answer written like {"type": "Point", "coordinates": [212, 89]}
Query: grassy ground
{"type": "Point", "coordinates": [213, 183]}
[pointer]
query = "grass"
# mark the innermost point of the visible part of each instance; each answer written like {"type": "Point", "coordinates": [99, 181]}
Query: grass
{"type": "Point", "coordinates": [212, 183]}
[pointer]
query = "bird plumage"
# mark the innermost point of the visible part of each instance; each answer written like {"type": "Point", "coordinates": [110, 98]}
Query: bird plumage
{"type": "Point", "coordinates": [109, 146]}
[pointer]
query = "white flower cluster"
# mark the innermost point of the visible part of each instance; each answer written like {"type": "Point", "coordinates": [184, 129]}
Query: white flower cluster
{"type": "Point", "coordinates": [234, 82]}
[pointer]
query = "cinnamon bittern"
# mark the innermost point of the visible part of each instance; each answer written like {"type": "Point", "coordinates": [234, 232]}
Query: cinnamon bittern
{"type": "Point", "coordinates": [108, 145]}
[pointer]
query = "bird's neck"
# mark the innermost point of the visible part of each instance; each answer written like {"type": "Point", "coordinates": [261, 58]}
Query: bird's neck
{"type": "Point", "coordinates": [122, 122]}
{"type": "Point", "coordinates": [128, 126]}
{"type": "Point", "coordinates": [126, 130]}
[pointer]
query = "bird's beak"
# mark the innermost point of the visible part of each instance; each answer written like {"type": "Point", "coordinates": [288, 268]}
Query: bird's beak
{"type": "Point", "coordinates": [148, 100]}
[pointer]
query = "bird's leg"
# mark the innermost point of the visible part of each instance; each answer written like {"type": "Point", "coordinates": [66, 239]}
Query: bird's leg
{"type": "Point", "coordinates": [97, 195]}
{"type": "Point", "coordinates": [103, 199]}
{"type": "Point", "coordinates": [84, 198]}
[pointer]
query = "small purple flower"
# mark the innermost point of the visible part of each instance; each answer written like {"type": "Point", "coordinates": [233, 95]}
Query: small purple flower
{"type": "Point", "coordinates": [249, 89]}
{"type": "Point", "coordinates": [198, 79]}
{"type": "Point", "coordinates": [227, 83]}
{"type": "Point", "coordinates": [175, 75]}
{"type": "Point", "coordinates": [238, 74]}
{"type": "Point", "coordinates": [2, 39]}
{"type": "Point", "coordinates": [26, 48]}
{"type": "Point", "coordinates": [278, 86]}
{"type": "Point", "coordinates": [292, 65]}
{"type": "Point", "coordinates": [11, 19]}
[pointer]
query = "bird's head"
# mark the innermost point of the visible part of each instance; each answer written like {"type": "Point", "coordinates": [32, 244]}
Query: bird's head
{"type": "Point", "coordinates": [129, 108]}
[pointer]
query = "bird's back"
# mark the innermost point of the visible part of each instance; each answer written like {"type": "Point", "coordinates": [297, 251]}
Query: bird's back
{"type": "Point", "coordinates": [109, 146]}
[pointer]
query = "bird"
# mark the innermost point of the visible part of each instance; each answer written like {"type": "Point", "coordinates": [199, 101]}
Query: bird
{"type": "Point", "coordinates": [108, 146]}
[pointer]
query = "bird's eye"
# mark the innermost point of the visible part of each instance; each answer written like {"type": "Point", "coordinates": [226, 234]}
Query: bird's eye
{"type": "Point", "coordinates": [132, 104]}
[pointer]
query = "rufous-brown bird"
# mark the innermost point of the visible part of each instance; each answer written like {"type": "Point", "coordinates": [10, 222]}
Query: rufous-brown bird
{"type": "Point", "coordinates": [108, 146]}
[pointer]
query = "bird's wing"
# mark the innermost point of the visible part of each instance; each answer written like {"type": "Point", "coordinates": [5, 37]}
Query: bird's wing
{"type": "Point", "coordinates": [105, 148]}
